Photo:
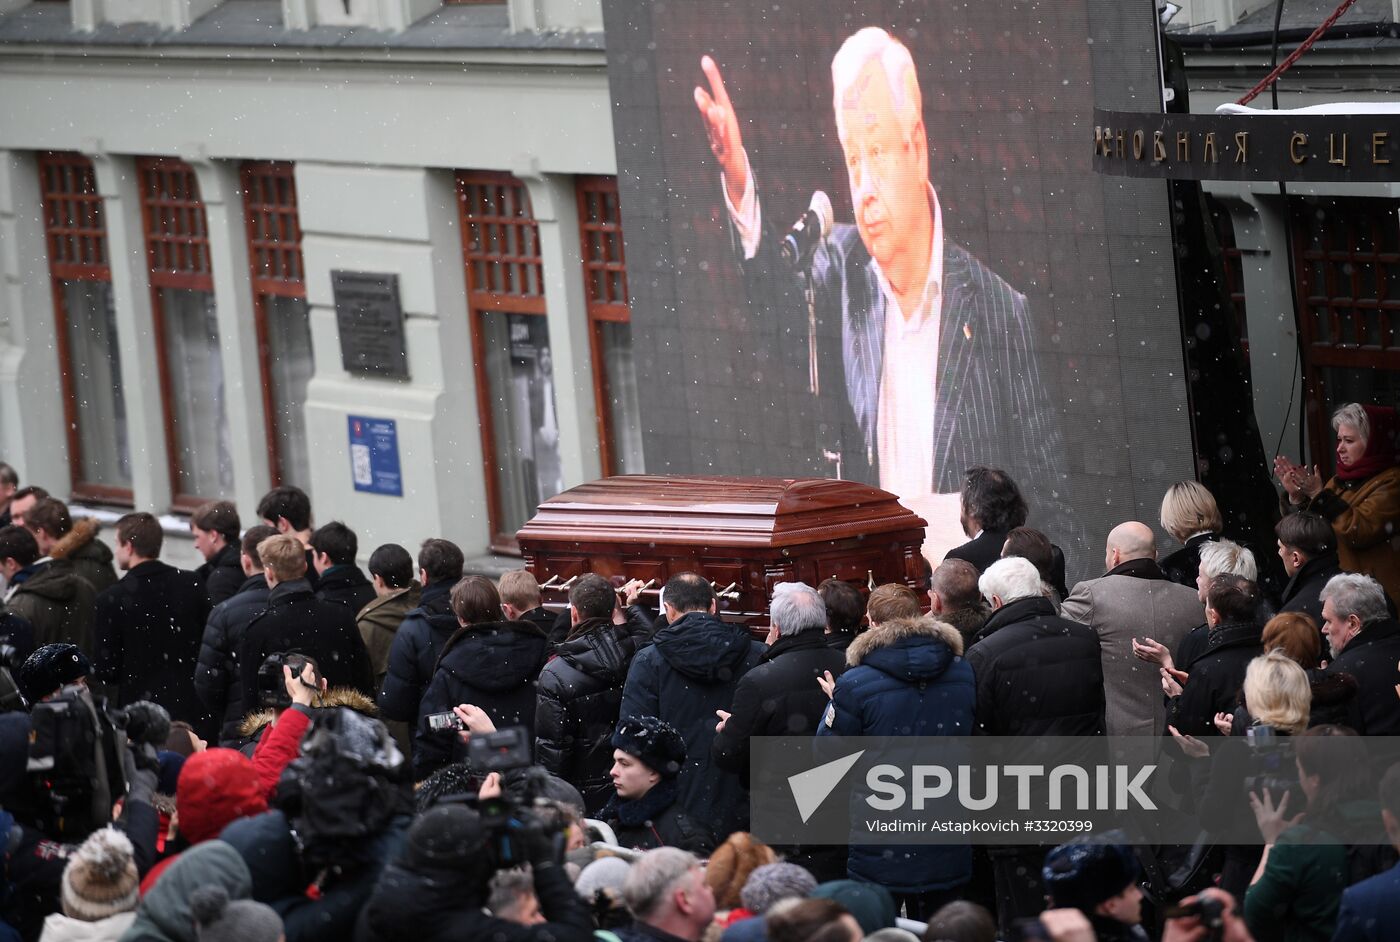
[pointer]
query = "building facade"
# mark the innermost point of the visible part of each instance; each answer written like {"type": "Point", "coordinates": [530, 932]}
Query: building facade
{"type": "Point", "coordinates": [180, 181]}
{"type": "Point", "coordinates": [184, 183]}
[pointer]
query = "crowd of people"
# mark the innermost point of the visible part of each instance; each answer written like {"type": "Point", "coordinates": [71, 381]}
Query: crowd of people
{"type": "Point", "coordinates": [275, 746]}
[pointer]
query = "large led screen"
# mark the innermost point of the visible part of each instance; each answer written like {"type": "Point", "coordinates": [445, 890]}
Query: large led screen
{"type": "Point", "coordinates": [973, 295]}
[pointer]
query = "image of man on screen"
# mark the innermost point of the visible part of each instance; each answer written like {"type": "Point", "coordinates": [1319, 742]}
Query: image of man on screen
{"type": "Point", "coordinates": [937, 352]}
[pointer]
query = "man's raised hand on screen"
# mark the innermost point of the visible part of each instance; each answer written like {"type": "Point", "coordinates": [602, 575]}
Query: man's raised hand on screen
{"type": "Point", "coordinates": [722, 128]}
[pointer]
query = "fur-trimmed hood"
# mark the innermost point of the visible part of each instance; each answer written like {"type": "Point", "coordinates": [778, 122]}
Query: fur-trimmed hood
{"type": "Point", "coordinates": [71, 543]}
{"type": "Point", "coordinates": [335, 697]}
{"type": "Point", "coordinates": [914, 649]}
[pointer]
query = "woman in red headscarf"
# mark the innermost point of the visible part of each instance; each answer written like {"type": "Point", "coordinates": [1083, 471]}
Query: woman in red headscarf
{"type": "Point", "coordinates": [1363, 498]}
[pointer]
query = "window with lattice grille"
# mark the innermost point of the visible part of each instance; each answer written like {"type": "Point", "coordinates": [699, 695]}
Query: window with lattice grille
{"type": "Point", "coordinates": [1347, 257]}
{"type": "Point", "coordinates": [89, 361]}
{"type": "Point", "coordinates": [510, 339]}
{"type": "Point", "coordinates": [281, 313]}
{"type": "Point", "coordinates": [187, 331]}
{"type": "Point", "coordinates": [610, 329]}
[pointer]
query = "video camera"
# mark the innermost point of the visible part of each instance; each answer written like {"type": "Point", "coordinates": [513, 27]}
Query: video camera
{"type": "Point", "coordinates": [511, 820]}
{"type": "Point", "coordinates": [1208, 909]}
{"type": "Point", "coordinates": [272, 689]}
{"type": "Point", "coordinates": [1272, 763]}
{"type": "Point", "coordinates": [75, 762]}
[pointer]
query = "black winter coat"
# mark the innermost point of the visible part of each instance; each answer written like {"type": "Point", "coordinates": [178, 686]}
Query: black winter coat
{"type": "Point", "coordinates": [346, 585]}
{"type": "Point", "coordinates": [1183, 565]}
{"type": "Point", "coordinates": [1037, 674]}
{"type": "Point", "coordinates": [1371, 657]}
{"type": "Point", "coordinates": [986, 549]}
{"type": "Point", "coordinates": [493, 666]}
{"type": "Point", "coordinates": [981, 551]}
{"type": "Point", "coordinates": [217, 680]}
{"type": "Point", "coordinates": [295, 620]}
{"type": "Point", "coordinates": [414, 652]}
{"type": "Point", "coordinates": [58, 604]}
{"type": "Point", "coordinates": [1216, 675]}
{"type": "Point", "coordinates": [223, 575]}
{"type": "Point", "coordinates": [268, 847]}
{"type": "Point", "coordinates": [149, 627]}
{"type": "Point", "coordinates": [411, 905]}
{"type": "Point", "coordinates": [778, 697]}
{"type": "Point", "coordinates": [689, 671]}
{"type": "Point", "coordinates": [1192, 645]}
{"type": "Point", "coordinates": [555, 625]}
{"type": "Point", "coordinates": [1303, 591]}
{"type": "Point", "coordinates": [580, 694]}
{"type": "Point", "coordinates": [840, 640]}
{"type": "Point", "coordinates": [17, 632]}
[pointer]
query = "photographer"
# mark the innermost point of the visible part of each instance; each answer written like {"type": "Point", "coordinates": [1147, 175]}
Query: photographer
{"type": "Point", "coordinates": [492, 663]}
{"type": "Point", "coordinates": [342, 808]}
{"type": "Point", "coordinates": [296, 620]}
{"type": "Point", "coordinates": [1297, 889]}
{"type": "Point", "coordinates": [1278, 697]}
{"type": "Point", "coordinates": [1210, 916]}
{"type": "Point", "coordinates": [281, 742]}
{"type": "Point", "coordinates": [436, 888]}
{"type": "Point", "coordinates": [54, 795]}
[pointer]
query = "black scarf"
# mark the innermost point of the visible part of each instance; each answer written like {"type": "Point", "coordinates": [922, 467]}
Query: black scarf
{"type": "Point", "coordinates": [1138, 569]}
{"type": "Point", "coordinates": [635, 812]}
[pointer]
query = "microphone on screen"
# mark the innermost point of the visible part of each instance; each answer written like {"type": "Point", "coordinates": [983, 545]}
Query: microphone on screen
{"type": "Point", "coordinates": [808, 232]}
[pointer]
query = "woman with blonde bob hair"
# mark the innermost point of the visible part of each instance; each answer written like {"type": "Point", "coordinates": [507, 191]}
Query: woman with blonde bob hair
{"type": "Point", "coordinates": [1277, 693]}
{"type": "Point", "coordinates": [1362, 500]}
{"type": "Point", "coordinates": [1189, 513]}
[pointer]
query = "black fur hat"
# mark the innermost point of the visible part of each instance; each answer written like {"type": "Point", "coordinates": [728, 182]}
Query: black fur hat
{"type": "Point", "coordinates": [657, 744]}
{"type": "Point", "coordinates": [49, 668]}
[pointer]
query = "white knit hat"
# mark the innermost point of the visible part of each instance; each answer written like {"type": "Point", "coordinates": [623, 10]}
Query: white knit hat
{"type": "Point", "coordinates": [100, 879]}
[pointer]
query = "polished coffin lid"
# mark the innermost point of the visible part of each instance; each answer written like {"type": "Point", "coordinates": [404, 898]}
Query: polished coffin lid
{"type": "Point", "coordinates": [715, 511]}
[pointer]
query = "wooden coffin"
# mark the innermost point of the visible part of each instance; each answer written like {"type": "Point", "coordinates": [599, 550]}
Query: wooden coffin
{"type": "Point", "coordinates": [743, 534]}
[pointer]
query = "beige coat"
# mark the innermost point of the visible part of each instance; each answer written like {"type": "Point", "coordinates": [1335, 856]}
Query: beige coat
{"type": "Point", "coordinates": [1120, 608]}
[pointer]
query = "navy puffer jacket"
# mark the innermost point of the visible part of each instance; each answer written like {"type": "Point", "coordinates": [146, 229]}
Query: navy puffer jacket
{"type": "Point", "coordinates": [906, 678]}
{"type": "Point", "coordinates": [493, 665]}
{"type": "Point", "coordinates": [414, 652]}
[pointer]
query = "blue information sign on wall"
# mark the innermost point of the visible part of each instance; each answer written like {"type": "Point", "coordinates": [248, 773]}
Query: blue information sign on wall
{"type": "Point", "coordinates": [374, 455]}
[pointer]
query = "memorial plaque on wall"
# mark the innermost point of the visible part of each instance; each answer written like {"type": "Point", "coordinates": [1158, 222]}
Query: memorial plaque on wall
{"type": "Point", "coordinates": [370, 319]}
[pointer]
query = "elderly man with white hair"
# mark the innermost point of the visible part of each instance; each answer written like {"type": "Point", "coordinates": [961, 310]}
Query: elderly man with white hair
{"type": "Point", "coordinates": [779, 696]}
{"type": "Point", "coordinates": [1364, 641]}
{"type": "Point", "coordinates": [1037, 675]}
{"type": "Point", "coordinates": [1133, 599]}
{"type": "Point", "coordinates": [937, 351]}
{"type": "Point", "coordinates": [1219, 558]}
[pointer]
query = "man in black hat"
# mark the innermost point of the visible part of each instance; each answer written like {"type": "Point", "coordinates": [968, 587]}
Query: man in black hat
{"type": "Point", "coordinates": [51, 668]}
{"type": "Point", "coordinates": [647, 756]}
{"type": "Point", "coordinates": [1100, 880]}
